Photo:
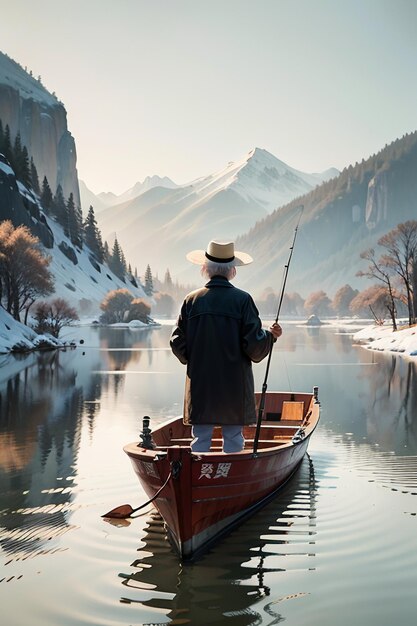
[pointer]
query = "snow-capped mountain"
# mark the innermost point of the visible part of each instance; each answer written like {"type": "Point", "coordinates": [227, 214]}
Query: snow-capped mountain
{"type": "Point", "coordinates": [107, 198]}
{"type": "Point", "coordinates": [161, 225]}
{"type": "Point", "coordinates": [262, 179]}
{"type": "Point", "coordinates": [89, 198]}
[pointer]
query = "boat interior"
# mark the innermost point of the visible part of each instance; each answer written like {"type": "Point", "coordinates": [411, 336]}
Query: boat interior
{"type": "Point", "coordinates": [284, 414]}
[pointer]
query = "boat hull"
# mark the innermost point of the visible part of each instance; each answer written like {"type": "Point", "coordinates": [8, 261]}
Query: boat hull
{"type": "Point", "coordinates": [206, 495]}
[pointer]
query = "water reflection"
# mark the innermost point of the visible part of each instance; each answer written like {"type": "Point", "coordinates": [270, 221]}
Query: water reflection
{"type": "Point", "coordinates": [41, 409]}
{"type": "Point", "coordinates": [391, 409]}
{"type": "Point", "coordinates": [278, 538]}
{"type": "Point", "coordinates": [62, 413]}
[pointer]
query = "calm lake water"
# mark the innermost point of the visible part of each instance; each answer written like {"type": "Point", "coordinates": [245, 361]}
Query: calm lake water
{"type": "Point", "coordinates": [336, 547]}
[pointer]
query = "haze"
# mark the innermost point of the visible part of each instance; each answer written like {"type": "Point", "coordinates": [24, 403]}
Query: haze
{"type": "Point", "coordinates": [181, 87]}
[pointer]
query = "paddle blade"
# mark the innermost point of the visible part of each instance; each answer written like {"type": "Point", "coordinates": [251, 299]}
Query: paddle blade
{"type": "Point", "coordinates": [120, 512]}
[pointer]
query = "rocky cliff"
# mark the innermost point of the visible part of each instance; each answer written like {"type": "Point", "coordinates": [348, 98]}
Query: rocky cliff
{"type": "Point", "coordinates": [27, 107]}
{"type": "Point", "coordinates": [21, 207]}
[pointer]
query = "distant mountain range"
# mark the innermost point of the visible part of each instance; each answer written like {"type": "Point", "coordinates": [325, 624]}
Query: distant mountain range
{"type": "Point", "coordinates": [164, 221]}
{"type": "Point", "coordinates": [254, 201]}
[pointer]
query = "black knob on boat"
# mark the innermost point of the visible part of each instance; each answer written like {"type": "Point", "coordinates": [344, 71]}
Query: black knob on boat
{"type": "Point", "coordinates": [146, 434]}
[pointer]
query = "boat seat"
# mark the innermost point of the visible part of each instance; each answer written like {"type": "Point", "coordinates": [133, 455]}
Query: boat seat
{"type": "Point", "coordinates": [188, 440]}
{"type": "Point", "coordinates": [181, 440]}
{"type": "Point", "coordinates": [294, 425]}
{"type": "Point", "coordinates": [287, 424]}
{"type": "Point", "coordinates": [292, 410]}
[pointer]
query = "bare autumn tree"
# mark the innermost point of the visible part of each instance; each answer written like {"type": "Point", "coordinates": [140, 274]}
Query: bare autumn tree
{"type": "Point", "coordinates": [401, 246]}
{"type": "Point", "coordinates": [51, 316]}
{"type": "Point", "coordinates": [371, 299]}
{"type": "Point", "coordinates": [379, 270]}
{"type": "Point", "coordinates": [24, 273]}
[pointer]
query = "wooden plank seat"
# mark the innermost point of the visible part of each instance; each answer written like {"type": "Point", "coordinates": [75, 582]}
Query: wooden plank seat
{"type": "Point", "coordinates": [293, 426]}
{"type": "Point", "coordinates": [187, 440]}
{"type": "Point", "coordinates": [292, 411]}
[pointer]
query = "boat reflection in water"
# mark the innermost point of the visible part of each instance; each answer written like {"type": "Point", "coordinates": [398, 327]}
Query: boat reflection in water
{"type": "Point", "coordinates": [228, 581]}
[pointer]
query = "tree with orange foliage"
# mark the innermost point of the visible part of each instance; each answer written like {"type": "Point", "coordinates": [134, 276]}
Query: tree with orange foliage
{"type": "Point", "coordinates": [342, 299]}
{"type": "Point", "coordinates": [372, 299]}
{"type": "Point", "coordinates": [116, 305]}
{"type": "Point", "coordinates": [24, 273]}
{"type": "Point", "coordinates": [318, 304]}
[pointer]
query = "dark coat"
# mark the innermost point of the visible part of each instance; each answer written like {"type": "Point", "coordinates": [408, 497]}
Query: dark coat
{"type": "Point", "coordinates": [218, 335]}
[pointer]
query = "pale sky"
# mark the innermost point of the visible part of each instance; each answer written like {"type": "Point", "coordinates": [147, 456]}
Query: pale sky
{"type": "Point", "coordinates": [179, 88]}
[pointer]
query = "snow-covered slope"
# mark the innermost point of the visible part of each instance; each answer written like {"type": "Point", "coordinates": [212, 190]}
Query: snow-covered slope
{"type": "Point", "coordinates": [259, 177]}
{"type": "Point", "coordinates": [13, 333]}
{"type": "Point", "coordinates": [16, 337]}
{"type": "Point", "coordinates": [78, 277]}
{"type": "Point", "coordinates": [30, 88]}
{"type": "Point", "coordinates": [86, 283]}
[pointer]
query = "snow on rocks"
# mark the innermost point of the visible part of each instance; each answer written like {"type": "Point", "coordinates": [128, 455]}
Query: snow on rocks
{"type": "Point", "coordinates": [16, 337]}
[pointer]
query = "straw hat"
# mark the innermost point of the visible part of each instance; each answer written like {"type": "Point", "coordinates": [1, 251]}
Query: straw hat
{"type": "Point", "coordinates": [220, 252]}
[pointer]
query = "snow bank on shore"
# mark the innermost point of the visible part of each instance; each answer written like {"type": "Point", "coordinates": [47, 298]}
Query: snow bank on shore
{"type": "Point", "coordinates": [384, 339]}
{"type": "Point", "coordinates": [17, 337]}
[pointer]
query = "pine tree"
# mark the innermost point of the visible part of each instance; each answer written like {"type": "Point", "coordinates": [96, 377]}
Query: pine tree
{"type": "Point", "coordinates": [17, 151]}
{"type": "Point", "coordinates": [59, 208]}
{"type": "Point", "coordinates": [34, 179]}
{"type": "Point", "coordinates": [92, 236]}
{"type": "Point", "coordinates": [72, 229]}
{"type": "Point", "coordinates": [116, 260]}
{"type": "Point", "coordinates": [1, 137]}
{"type": "Point", "coordinates": [7, 144]}
{"type": "Point", "coordinates": [168, 280]}
{"type": "Point", "coordinates": [23, 167]}
{"type": "Point", "coordinates": [106, 256]}
{"type": "Point", "coordinates": [80, 226]}
{"type": "Point", "coordinates": [46, 196]}
{"type": "Point", "coordinates": [148, 281]}
{"type": "Point", "coordinates": [123, 259]}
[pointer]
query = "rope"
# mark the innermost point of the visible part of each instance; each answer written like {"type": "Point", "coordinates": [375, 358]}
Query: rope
{"type": "Point", "coordinates": [142, 506]}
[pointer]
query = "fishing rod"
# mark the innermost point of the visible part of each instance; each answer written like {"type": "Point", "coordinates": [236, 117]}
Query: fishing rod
{"type": "Point", "coordinates": [265, 385]}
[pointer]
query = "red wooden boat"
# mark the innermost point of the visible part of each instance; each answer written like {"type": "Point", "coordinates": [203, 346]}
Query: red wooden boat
{"type": "Point", "coordinates": [203, 496]}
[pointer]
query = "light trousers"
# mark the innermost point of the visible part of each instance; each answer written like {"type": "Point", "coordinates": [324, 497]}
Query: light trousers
{"type": "Point", "coordinates": [233, 440]}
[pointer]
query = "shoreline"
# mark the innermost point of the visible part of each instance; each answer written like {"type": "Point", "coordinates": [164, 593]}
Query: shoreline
{"type": "Point", "coordinates": [363, 332]}
{"type": "Point", "coordinates": [383, 339]}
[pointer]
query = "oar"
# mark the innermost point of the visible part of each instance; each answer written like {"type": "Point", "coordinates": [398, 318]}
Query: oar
{"type": "Point", "coordinates": [125, 510]}
{"type": "Point", "coordinates": [265, 386]}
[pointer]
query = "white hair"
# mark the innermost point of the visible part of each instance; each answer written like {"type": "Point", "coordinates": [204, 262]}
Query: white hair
{"type": "Point", "coordinates": [211, 268]}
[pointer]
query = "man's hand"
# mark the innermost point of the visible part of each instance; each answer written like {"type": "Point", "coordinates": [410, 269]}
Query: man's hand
{"type": "Point", "coordinates": [276, 330]}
